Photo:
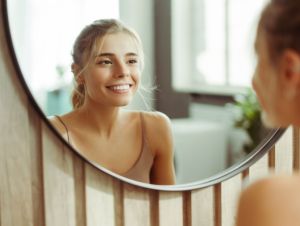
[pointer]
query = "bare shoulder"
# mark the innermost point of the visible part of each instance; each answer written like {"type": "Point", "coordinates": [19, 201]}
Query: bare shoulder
{"type": "Point", "coordinates": [157, 121]}
{"type": "Point", "coordinates": [158, 127]}
{"type": "Point", "coordinates": [156, 116]}
{"type": "Point", "coordinates": [270, 200]}
{"type": "Point", "coordinates": [58, 122]}
{"type": "Point", "coordinates": [273, 185]}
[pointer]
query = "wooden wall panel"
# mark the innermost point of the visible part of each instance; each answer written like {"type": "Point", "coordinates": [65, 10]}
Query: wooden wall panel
{"type": "Point", "coordinates": [35, 147]}
{"type": "Point", "coordinates": [296, 147]}
{"type": "Point", "coordinates": [16, 197]}
{"type": "Point", "coordinates": [230, 191]}
{"type": "Point", "coordinates": [136, 206]}
{"type": "Point", "coordinates": [80, 192]}
{"type": "Point", "coordinates": [284, 152]}
{"type": "Point", "coordinates": [203, 207]}
{"type": "Point", "coordinates": [15, 159]}
{"type": "Point", "coordinates": [100, 201]}
{"type": "Point", "coordinates": [259, 170]}
{"type": "Point", "coordinates": [59, 185]}
{"type": "Point", "coordinates": [171, 208]}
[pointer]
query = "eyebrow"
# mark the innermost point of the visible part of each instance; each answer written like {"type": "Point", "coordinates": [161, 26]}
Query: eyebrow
{"type": "Point", "coordinates": [111, 54]}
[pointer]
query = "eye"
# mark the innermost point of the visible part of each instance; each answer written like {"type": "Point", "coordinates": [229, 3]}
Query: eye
{"type": "Point", "coordinates": [104, 62]}
{"type": "Point", "coordinates": [132, 61]}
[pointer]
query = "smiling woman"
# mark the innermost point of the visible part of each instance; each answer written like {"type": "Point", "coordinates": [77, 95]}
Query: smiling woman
{"type": "Point", "coordinates": [107, 64]}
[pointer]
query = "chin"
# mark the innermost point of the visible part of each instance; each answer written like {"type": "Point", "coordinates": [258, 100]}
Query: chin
{"type": "Point", "coordinates": [122, 103]}
{"type": "Point", "coordinates": [271, 122]}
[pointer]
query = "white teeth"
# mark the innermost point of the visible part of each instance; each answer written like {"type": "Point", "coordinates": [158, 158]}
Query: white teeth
{"type": "Point", "coordinates": [120, 87]}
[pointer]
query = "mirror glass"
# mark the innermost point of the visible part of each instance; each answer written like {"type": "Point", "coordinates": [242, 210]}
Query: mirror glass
{"type": "Point", "coordinates": [211, 45]}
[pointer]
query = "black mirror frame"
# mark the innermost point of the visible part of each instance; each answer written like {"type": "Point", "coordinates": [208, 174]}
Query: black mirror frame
{"type": "Point", "coordinates": [249, 160]}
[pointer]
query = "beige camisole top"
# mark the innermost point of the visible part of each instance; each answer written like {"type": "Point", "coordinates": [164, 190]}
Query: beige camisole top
{"type": "Point", "coordinates": [141, 169]}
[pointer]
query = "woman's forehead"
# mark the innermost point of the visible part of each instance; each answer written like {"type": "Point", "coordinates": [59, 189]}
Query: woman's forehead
{"type": "Point", "coordinates": [120, 42]}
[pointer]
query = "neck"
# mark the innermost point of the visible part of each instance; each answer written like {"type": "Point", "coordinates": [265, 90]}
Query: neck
{"type": "Point", "coordinates": [101, 119]}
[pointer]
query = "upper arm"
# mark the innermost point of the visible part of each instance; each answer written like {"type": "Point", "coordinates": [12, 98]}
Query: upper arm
{"type": "Point", "coordinates": [161, 143]}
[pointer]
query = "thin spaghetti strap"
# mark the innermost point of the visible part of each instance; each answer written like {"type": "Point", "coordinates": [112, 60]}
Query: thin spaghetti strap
{"type": "Point", "coordinates": [143, 127]}
{"type": "Point", "coordinates": [62, 122]}
{"type": "Point", "coordinates": [145, 141]}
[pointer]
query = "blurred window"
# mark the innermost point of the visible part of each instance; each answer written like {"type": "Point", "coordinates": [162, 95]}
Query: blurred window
{"type": "Point", "coordinates": [212, 45]}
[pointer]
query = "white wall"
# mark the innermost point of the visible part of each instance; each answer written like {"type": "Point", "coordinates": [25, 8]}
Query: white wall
{"type": "Point", "coordinates": [140, 16]}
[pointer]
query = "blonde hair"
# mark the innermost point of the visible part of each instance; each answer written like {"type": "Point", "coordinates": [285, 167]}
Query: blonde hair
{"type": "Point", "coordinates": [87, 46]}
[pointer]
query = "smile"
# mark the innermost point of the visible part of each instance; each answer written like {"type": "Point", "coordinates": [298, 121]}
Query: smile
{"type": "Point", "coordinates": [120, 88]}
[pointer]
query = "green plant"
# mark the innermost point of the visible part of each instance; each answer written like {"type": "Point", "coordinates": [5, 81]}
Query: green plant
{"type": "Point", "coordinates": [248, 118]}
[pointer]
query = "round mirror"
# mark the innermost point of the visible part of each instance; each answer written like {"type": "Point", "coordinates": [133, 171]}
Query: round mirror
{"type": "Point", "coordinates": [198, 56]}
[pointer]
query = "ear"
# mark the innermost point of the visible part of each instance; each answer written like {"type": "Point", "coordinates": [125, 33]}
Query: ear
{"type": "Point", "coordinates": [291, 67]}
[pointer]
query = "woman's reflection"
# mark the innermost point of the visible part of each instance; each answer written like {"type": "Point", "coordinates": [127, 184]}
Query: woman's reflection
{"type": "Point", "coordinates": [107, 65]}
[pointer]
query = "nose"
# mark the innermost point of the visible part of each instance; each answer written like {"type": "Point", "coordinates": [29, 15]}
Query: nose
{"type": "Point", "coordinates": [122, 70]}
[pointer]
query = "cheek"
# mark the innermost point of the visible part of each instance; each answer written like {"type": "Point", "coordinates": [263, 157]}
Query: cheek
{"type": "Point", "coordinates": [136, 76]}
{"type": "Point", "coordinates": [256, 82]}
{"type": "Point", "coordinates": [261, 78]}
{"type": "Point", "coordinates": [95, 81]}
{"type": "Point", "coordinates": [260, 88]}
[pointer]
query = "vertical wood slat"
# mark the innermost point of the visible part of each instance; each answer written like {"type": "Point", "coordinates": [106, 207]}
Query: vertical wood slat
{"type": "Point", "coordinates": [59, 186]}
{"type": "Point", "coordinates": [100, 201]}
{"type": "Point", "coordinates": [36, 168]}
{"type": "Point", "coordinates": [259, 170]}
{"type": "Point", "coordinates": [16, 199]}
{"type": "Point", "coordinates": [296, 145]}
{"type": "Point", "coordinates": [80, 199]}
{"type": "Point", "coordinates": [154, 205]}
{"type": "Point", "coordinates": [170, 208]}
{"type": "Point", "coordinates": [202, 207]}
{"type": "Point", "coordinates": [136, 206]}
{"type": "Point", "coordinates": [187, 205]}
{"type": "Point", "coordinates": [271, 157]}
{"type": "Point", "coordinates": [218, 204]}
{"type": "Point", "coordinates": [284, 152]}
{"type": "Point", "coordinates": [15, 162]}
{"type": "Point", "coordinates": [119, 203]}
{"type": "Point", "coordinates": [230, 191]}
